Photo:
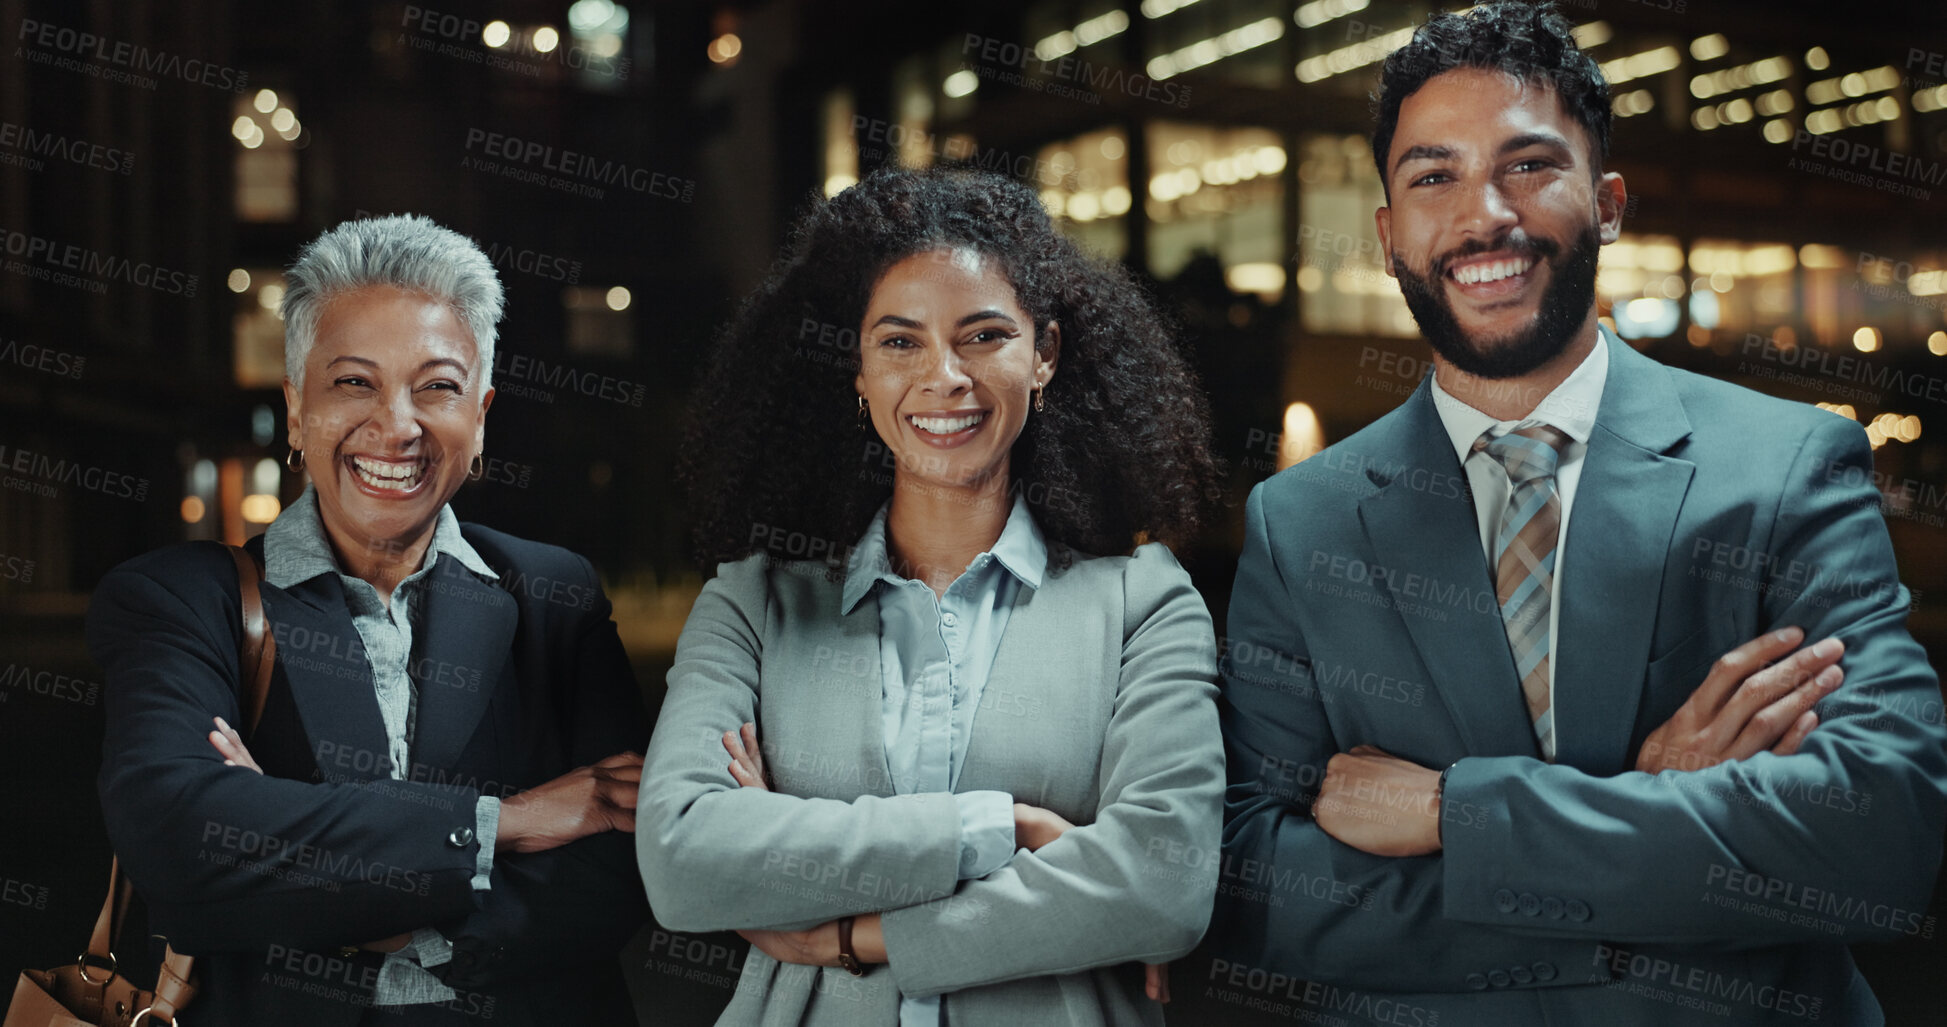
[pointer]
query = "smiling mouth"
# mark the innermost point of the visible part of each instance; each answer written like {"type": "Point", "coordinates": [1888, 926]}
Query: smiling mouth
{"type": "Point", "coordinates": [1488, 272]}
{"type": "Point", "coordinates": [947, 425]}
{"type": "Point", "coordinates": [388, 475]}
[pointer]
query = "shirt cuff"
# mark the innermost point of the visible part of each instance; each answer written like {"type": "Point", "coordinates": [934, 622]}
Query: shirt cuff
{"type": "Point", "coordinates": [986, 832]}
{"type": "Point", "coordinates": [486, 824]}
{"type": "Point", "coordinates": [429, 947]}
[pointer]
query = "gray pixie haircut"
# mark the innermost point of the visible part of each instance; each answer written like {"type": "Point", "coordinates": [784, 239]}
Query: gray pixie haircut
{"type": "Point", "coordinates": [407, 251]}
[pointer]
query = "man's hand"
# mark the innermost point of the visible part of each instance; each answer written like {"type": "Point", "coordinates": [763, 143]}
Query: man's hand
{"type": "Point", "coordinates": [1745, 707]}
{"type": "Point", "coordinates": [1379, 803]}
{"type": "Point", "coordinates": [582, 802]}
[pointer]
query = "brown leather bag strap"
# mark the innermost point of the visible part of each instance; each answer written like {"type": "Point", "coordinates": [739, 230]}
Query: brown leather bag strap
{"type": "Point", "coordinates": [173, 988]}
{"type": "Point", "coordinates": [108, 925]}
{"type": "Point", "coordinates": [258, 653]}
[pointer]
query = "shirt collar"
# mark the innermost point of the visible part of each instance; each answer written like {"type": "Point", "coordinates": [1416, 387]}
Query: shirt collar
{"type": "Point", "coordinates": [1571, 406]}
{"type": "Point", "coordinates": [296, 550]}
{"type": "Point", "coordinates": [1022, 549]}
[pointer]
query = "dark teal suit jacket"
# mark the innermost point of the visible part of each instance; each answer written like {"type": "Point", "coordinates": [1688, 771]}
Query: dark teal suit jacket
{"type": "Point", "coordinates": [1582, 892]}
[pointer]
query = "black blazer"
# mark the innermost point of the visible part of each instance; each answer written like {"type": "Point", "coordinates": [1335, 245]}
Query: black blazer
{"type": "Point", "coordinates": [266, 878]}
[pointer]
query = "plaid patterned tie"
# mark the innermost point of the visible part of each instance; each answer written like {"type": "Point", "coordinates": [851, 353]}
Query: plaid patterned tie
{"type": "Point", "coordinates": [1524, 559]}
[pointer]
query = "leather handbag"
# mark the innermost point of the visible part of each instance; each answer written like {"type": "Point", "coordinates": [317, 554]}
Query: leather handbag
{"type": "Point", "coordinates": [71, 996]}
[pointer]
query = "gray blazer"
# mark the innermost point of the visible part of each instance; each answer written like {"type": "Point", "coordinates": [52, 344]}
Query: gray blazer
{"type": "Point", "coordinates": [1100, 707]}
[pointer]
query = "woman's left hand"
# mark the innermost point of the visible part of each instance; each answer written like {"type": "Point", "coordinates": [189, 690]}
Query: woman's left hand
{"type": "Point", "coordinates": [746, 759]}
{"type": "Point", "coordinates": [230, 746]}
{"type": "Point", "coordinates": [818, 946]}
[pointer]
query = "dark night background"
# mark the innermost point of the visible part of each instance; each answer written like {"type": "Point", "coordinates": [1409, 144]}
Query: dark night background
{"type": "Point", "coordinates": [1787, 231]}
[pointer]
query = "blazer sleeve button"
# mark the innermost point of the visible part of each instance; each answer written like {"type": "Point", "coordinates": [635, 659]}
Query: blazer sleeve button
{"type": "Point", "coordinates": [1499, 978]}
{"type": "Point", "coordinates": [460, 838]}
{"type": "Point", "coordinates": [1478, 982]}
{"type": "Point", "coordinates": [1551, 907]}
{"type": "Point", "coordinates": [1530, 906]}
{"type": "Point", "coordinates": [1544, 971]}
{"type": "Point", "coordinates": [1577, 910]}
{"type": "Point", "coordinates": [1504, 901]}
{"type": "Point", "coordinates": [1521, 975]}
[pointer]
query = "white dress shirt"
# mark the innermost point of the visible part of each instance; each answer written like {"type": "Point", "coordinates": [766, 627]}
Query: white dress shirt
{"type": "Point", "coordinates": [1571, 408]}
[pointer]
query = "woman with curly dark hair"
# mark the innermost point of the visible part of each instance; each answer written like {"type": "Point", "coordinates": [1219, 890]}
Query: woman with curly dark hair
{"type": "Point", "coordinates": [939, 452]}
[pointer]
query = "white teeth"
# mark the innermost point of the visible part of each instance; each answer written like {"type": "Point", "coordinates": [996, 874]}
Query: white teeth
{"type": "Point", "coordinates": [947, 425]}
{"type": "Point", "coordinates": [1492, 271]}
{"type": "Point", "coordinates": [387, 475]}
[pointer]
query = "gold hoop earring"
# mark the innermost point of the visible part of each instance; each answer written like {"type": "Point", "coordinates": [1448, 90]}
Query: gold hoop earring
{"type": "Point", "coordinates": [1039, 402]}
{"type": "Point", "coordinates": [294, 460]}
{"type": "Point", "coordinates": [477, 468]}
{"type": "Point", "coordinates": [864, 418]}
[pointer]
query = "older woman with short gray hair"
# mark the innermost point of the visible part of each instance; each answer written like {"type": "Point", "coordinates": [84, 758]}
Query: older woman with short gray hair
{"type": "Point", "coordinates": [433, 814]}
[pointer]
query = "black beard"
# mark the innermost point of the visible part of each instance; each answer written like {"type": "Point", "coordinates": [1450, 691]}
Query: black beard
{"type": "Point", "coordinates": [1564, 307]}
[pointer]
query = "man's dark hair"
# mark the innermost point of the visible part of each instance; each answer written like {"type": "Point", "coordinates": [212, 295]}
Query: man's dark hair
{"type": "Point", "coordinates": [1532, 43]}
{"type": "Point", "coordinates": [1120, 454]}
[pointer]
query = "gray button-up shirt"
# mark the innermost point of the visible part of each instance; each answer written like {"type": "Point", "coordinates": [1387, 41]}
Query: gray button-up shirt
{"type": "Point", "coordinates": [295, 551]}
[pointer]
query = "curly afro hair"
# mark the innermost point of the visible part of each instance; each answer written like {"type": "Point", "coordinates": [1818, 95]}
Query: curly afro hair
{"type": "Point", "coordinates": [774, 460]}
{"type": "Point", "coordinates": [1532, 43]}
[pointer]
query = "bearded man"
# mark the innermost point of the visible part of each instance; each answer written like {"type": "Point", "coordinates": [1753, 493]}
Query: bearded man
{"type": "Point", "coordinates": [1495, 749]}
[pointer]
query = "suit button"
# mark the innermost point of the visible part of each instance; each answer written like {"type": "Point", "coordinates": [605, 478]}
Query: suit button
{"type": "Point", "coordinates": [1522, 975]}
{"type": "Point", "coordinates": [1504, 901]}
{"type": "Point", "coordinates": [1576, 910]}
{"type": "Point", "coordinates": [1477, 982]}
{"type": "Point", "coordinates": [1544, 971]}
{"type": "Point", "coordinates": [1551, 907]}
{"type": "Point", "coordinates": [460, 838]}
{"type": "Point", "coordinates": [1499, 978]}
{"type": "Point", "coordinates": [1529, 904]}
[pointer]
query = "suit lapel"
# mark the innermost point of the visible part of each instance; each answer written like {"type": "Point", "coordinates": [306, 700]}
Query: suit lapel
{"type": "Point", "coordinates": [1423, 532]}
{"type": "Point", "coordinates": [1619, 530]}
{"type": "Point", "coordinates": [842, 714]}
{"type": "Point", "coordinates": [460, 650]}
{"type": "Point", "coordinates": [323, 662]}
{"type": "Point", "coordinates": [1026, 642]}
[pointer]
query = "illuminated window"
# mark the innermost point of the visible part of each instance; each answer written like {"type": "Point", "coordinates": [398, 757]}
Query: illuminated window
{"type": "Point", "coordinates": [1058, 30]}
{"type": "Point", "coordinates": [1085, 182]}
{"type": "Point", "coordinates": [1751, 282]}
{"type": "Point", "coordinates": [1341, 272]}
{"type": "Point", "coordinates": [256, 328]}
{"type": "Point", "coordinates": [913, 91]}
{"type": "Point", "coordinates": [1217, 191]}
{"type": "Point", "coordinates": [601, 320]}
{"type": "Point", "coordinates": [1904, 296]}
{"type": "Point", "coordinates": [841, 151]}
{"type": "Point", "coordinates": [268, 134]}
{"type": "Point", "coordinates": [598, 44]}
{"type": "Point", "coordinates": [1239, 41]}
{"type": "Point", "coordinates": [1639, 285]}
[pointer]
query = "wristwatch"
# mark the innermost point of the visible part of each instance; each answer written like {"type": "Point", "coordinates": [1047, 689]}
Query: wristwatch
{"type": "Point", "coordinates": [846, 957]}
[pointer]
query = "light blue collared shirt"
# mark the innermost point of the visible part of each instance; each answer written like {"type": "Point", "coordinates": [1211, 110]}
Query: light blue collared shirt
{"type": "Point", "coordinates": [295, 551]}
{"type": "Point", "coordinates": [935, 653]}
